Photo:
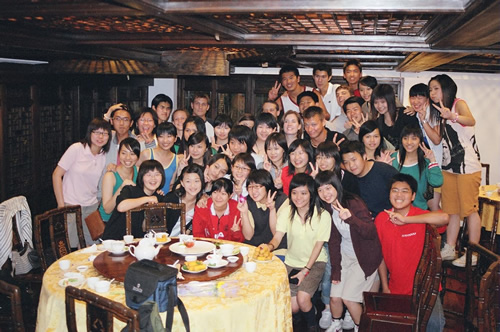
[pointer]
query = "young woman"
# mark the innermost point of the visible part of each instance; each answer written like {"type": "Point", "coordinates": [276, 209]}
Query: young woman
{"type": "Point", "coordinates": [192, 125]}
{"type": "Point", "coordinates": [292, 126]}
{"type": "Point", "coordinates": [366, 86]}
{"type": "Point", "coordinates": [354, 247]}
{"type": "Point", "coordinates": [199, 149]}
{"type": "Point", "coordinates": [415, 159]}
{"type": "Point", "coordinates": [307, 227]}
{"type": "Point", "coordinates": [461, 165]}
{"type": "Point", "coordinates": [328, 159]}
{"type": "Point", "coordinates": [265, 125]}
{"type": "Point", "coordinates": [247, 120]}
{"type": "Point", "coordinates": [220, 219]}
{"type": "Point", "coordinates": [376, 147]}
{"type": "Point", "coordinates": [276, 157]}
{"type": "Point", "coordinates": [190, 189]}
{"type": "Point", "coordinates": [125, 175]}
{"type": "Point", "coordinates": [178, 118]}
{"type": "Point", "coordinates": [77, 174]}
{"type": "Point", "coordinates": [145, 128]}
{"type": "Point", "coordinates": [390, 119]}
{"type": "Point", "coordinates": [150, 178]}
{"type": "Point", "coordinates": [242, 140]}
{"type": "Point", "coordinates": [222, 126]}
{"type": "Point", "coordinates": [260, 210]}
{"type": "Point", "coordinates": [164, 153]}
{"type": "Point", "coordinates": [430, 123]}
{"type": "Point", "coordinates": [301, 155]}
{"type": "Point", "coordinates": [242, 165]}
{"type": "Point", "coordinates": [218, 166]}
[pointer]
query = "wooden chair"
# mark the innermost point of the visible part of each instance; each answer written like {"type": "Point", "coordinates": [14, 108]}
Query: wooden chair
{"type": "Point", "coordinates": [483, 289]}
{"type": "Point", "coordinates": [100, 311]}
{"type": "Point", "coordinates": [51, 234]}
{"type": "Point", "coordinates": [488, 239]}
{"type": "Point", "coordinates": [12, 318]}
{"type": "Point", "coordinates": [155, 216]}
{"type": "Point", "coordinates": [391, 312]}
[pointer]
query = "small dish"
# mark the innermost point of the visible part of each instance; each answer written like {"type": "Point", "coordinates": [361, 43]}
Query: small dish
{"type": "Point", "coordinates": [82, 268]}
{"type": "Point", "coordinates": [233, 259]}
{"type": "Point", "coordinates": [188, 271]}
{"type": "Point", "coordinates": [73, 275]}
{"type": "Point", "coordinates": [75, 282]}
{"type": "Point", "coordinates": [220, 264]}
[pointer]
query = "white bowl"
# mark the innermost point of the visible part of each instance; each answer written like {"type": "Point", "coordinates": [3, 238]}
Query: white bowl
{"type": "Point", "coordinates": [232, 259]}
{"type": "Point", "coordinates": [107, 244]}
{"type": "Point", "coordinates": [250, 266]}
{"type": "Point", "coordinates": [64, 264]}
{"type": "Point", "coordinates": [191, 258]}
{"type": "Point", "coordinates": [92, 281]}
{"type": "Point", "coordinates": [102, 286]}
{"type": "Point", "coordinates": [82, 268]}
{"type": "Point", "coordinates": [226, 249]}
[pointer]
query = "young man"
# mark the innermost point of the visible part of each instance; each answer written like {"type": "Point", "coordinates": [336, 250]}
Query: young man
{"type": "Point", "coordinates": [307, 99]}
{"type": "Point", "coordinates": [342, 93]}
{"type": "Point", "coordinates": [373, 176]}
{"type": "Point", "coordinates": [353, 108]}
{"type": "Point", "coordinates": [322, 74]}
{"type": "Point", "coordinates": [352, 74]}
{"type": "Point", "coordinates": [200, 106]}
{"type": "Point", "coordinates": [162, 105]}
{"type": "Point", "coordinates": [271, 107]}
{"type": "Point", "coordinates": [401, 232]}
{"type": "Point", "coordinates": [315, 130]}
{"type": "Point", "coordinates": [290, 80]}
{"type": "Point", "coordinates": [121, 119]}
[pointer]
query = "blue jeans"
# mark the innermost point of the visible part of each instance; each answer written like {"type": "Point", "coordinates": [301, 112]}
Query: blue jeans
{"type": "Point", "coordinates": [436, 321]}
{"type": "Point", "coordinates": [326, 282]}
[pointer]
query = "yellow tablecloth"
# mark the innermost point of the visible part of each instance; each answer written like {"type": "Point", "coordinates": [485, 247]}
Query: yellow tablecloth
{"type": "Point", "coordinates": [262, 304]}
{"type": "Point", "coordinates": [488, 202]}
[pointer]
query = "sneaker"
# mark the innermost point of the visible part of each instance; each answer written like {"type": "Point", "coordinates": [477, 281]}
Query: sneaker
{"type": "Point", "coordinates": [448, 252]}
{"type": "Point", "coordinates": [336, 326]}
{"type": "Point", "coordinates": [460, 262]}
{"type": "Point", "coordinates": [348, 323]}
{"type": "Point", "coordinates": [326, 319]}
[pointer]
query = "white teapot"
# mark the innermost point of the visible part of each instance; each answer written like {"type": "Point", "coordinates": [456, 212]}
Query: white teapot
{"type": "Point", "coordinates": [145, 250]}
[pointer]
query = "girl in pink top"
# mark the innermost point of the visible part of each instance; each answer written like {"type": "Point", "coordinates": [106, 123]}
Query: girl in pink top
{"type": "Point", "coordinates": [77, 174]}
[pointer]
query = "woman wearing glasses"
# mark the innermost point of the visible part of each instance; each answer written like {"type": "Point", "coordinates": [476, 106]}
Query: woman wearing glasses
{"type": "Point", "coordinates": [77, 174]}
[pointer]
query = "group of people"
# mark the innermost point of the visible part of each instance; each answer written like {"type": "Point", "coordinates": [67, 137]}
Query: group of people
{"type": "Point", "coordinates": [340, 178]}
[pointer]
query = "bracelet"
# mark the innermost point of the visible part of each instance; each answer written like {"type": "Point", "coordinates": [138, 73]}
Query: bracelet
{"type": "Point", "coordinates": [305, 273]}
{"type": "Point", "coordinates": [431, 165]}
{"type": "Point", "coordinates": [424, 121]}
{"type": "Point", "coordinates": [307, 268]}
{"type": "Point", "coordinates": [456, 118]}
{"type": "Point", "coordinates": [270, 244]}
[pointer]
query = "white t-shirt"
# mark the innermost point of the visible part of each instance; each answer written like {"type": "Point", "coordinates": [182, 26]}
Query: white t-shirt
{"type": "Point", "coordinates": [288, 104]}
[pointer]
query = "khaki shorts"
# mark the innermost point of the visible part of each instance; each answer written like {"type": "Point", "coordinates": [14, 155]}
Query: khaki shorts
{"type": "Point", "coordinates": [311, 281]}
{"type": "Point", "coordinates": [460, 192]}
{"type": "Point", "coordinates": [352, 281]}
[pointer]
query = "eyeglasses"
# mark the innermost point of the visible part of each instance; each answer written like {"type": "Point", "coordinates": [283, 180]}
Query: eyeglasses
{"type": "Point", "coordinates": [255, 187]}
{"type": "Point", "coordinates": [146, 120]}
{"type": "Point", "coordinates": [120, 119]}
{"type": "Point", "coordinates": [100, 133]}
{"type": "Point", "coordinates": [239, 168]}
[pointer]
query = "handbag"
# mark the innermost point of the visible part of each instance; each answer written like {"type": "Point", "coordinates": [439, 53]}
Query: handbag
{"type": "Point", "coordinates": [147, 281]}
{"type": "Point", "coordinates": [95, 224]}
{"type": "Point", "coordinates": [25, 259]}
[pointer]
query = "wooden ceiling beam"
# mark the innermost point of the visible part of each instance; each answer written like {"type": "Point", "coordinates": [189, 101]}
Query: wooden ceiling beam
{"type": "Point", "coordinates": [97, 9]}
{"type": "Point", "coordinates": [417, 62]}
{"type": "Point", "coordinates": [300, 6]}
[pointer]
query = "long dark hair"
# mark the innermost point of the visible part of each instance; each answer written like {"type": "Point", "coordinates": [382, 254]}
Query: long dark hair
{"type": "Point", "coordinates": [386, 92]}
{"type": "Point", "coordinates": [97, 123]}
{"type": "Point", "coordinates": [306, 180]}
{"type": "Point", "coordinates": [306, 145]}
{"type": "Point", "coordinates": [330, 150]}
{"type": "Point", "coordinates": [368, 127]}
{"type": "Point", "coordinates": [280, 140]}
{"type": "Point", "coordinates": [415, 131]}
{"type": "Point", "coordinates": [198, 138]}
{"type": "Point", "coordinates": [190, 169]}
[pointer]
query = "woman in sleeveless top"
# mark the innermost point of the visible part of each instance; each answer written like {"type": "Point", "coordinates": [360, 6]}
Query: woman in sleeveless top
{"type": "Point", "coordinates": [165, 134]}
{"type": "Point", "coordinates": [125, 174]}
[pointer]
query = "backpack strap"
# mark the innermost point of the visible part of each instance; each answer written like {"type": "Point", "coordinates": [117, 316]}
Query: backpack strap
{"type": "Point", "coordinates": [170, 310]}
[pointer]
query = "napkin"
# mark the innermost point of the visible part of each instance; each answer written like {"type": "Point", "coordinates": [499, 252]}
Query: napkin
{"type": "Point", "coordinates": [91, 249]}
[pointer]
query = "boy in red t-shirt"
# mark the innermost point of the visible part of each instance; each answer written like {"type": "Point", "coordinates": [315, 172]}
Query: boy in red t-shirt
{"type": "Point", "coordinates": [401, 231]}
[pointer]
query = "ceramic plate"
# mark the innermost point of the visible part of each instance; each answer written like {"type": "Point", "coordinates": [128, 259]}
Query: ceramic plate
{"type": "Point", "coordinates": [163, 242]}
{"type": "Point", "coordinates": [188, 271]}
{"type": "Point", "coordinates": [75, 282]}
{"type": "Point", "coordinates": [199, 248]}
{"type": "Point", "coordinates": [222, 263]}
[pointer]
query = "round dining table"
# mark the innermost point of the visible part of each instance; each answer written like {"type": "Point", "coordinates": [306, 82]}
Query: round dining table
{"type": "Point", "coordinates": [258, 301]}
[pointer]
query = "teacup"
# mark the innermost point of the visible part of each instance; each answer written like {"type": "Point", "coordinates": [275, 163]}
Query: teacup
{"type": "Point", "coordinates": [64, 264]}
{"type": "Point", "coordinates": [233, 259]}
{"type": "Point", "coordinates": [128, 239]}
{"type": "Point", "coordinates": [107, 244]}
{"type": "Point", "coordinates": [117, 247]}
{"type": "Point", "coordinates": [102, 286]}
{"type": "Point", "coordinates": [214, 259]}
{"type": "Point", "coordinates": [92, 281]}
{"type": "Point", "coordinates": [226, 249]}
{"type": "Point", "coordinates": [250, 267]}
{"type": "Point", "coordinates": [161, 237]}
{"type": "Point", "coordinates": [244, 251]}
{"type": "Point", "coordinates": [190, 258]}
